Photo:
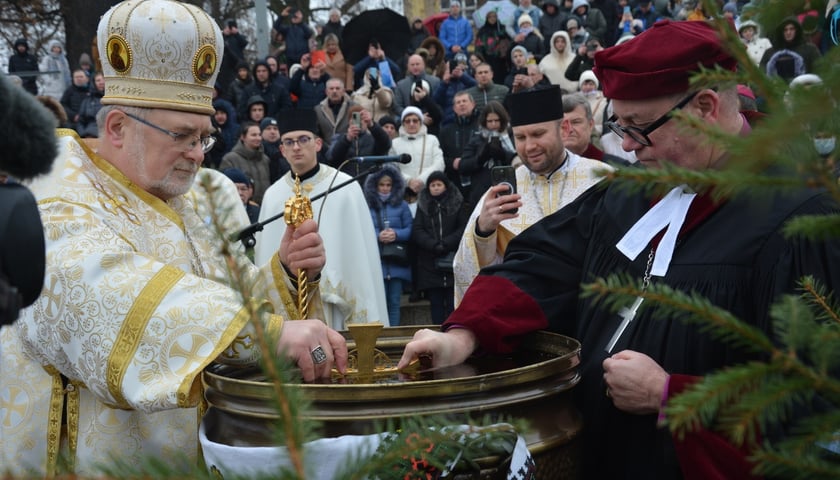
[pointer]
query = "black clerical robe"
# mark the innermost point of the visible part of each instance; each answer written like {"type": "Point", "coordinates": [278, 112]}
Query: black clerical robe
{"type": "Point", "coordinates": [734, 255]}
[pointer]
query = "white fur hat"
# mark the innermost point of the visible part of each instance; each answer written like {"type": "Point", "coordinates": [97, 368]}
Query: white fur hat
{"type": "Point", "coordinates": [589, 75]}
{"type": "Point", "coordinates": [411, 111]}
{"type": "Point", "coordinates": [525, 18]}
{"type": "Point", "coordinates": [159, 54]}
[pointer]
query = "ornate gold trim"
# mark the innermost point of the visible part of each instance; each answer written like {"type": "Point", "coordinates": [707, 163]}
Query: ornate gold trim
{"type": "Point", "coordinates": [131, 331]}
{"type": "Point", "coordinates": [191, 391]}
{"type": "Point", "coordinates": [156, 203]}
{"type": "Point", "coordinates": [54, 421]}
{"type": "Point", "coordinates": [72, 421]}
{"type": "Point", "coordinates": [279, 275]}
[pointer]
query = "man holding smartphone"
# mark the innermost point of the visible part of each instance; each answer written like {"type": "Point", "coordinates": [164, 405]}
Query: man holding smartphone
{"type": "Point", "coordinates": [550, 177]}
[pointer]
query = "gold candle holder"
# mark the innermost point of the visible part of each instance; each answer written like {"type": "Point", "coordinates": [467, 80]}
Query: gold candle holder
{"type": "Point", "coordinates": [297, 210]}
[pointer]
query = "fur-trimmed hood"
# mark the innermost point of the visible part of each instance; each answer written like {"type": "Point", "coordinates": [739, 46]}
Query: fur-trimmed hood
{"type": "Point", "coordinates": [440, 49]}
{"type": "Point", "coordinates": [397, 186]}
{"type": "Point", "coordinates": [451, 201]}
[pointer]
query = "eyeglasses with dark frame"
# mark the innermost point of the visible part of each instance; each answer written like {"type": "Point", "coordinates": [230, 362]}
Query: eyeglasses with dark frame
{"type": "Point", "coordinates": [303, 141]}
{"type": "Point", "coordinates": [640, 135]}
{"type": "Point", "coordinates": [185, 142]}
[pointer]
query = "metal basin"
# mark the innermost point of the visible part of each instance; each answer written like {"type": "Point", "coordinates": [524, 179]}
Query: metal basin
{"type": "Point", "coordinates": [533, 384]}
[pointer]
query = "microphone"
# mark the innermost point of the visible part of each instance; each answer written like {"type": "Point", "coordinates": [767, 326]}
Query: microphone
{"type": "Point", "coordinates": [379, 159]}
{"type": "Point", "coordinates": [28, 143]}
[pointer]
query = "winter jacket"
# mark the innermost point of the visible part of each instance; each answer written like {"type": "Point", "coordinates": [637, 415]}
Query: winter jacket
{"type": "Point", "coordinates": [87, 114]}
{"type": "Point", "coordinates": [297, 38]}
{"type": "Point", "coordinates": [554, 64]}
{"type": "Point", "coordinates": [230, 130]}
{"type": "Point", "coordinates": [54, 84]}
{"type": "Point", "coordinates": [549, 24]}
{"type": "Point", "coordinates": [377, 101]}
{"type": "Point", "coordinates": [435, 64]}
{"type": "Point", "coordinates": [24, 62]}
{"type": "Point", "coordinates": [309, 92]}
{"type": "Point", "coordinates": [533, 42]}
{"type": "Point", "coordinates": [235, 92]}
{"type": "Point", "coordinates": [253, 163]}
{"type": "Point", "coordinates": [758, 45]}
{"type": "Point", "coordinates": [441, 222]}
{"type": "Point", "coordinates": [72, 102]}
{"type": "Point", "coordinates": [417, 37]}
{"type": "Point", "coordinates": [338, 67]}
{"type": "Point", "coordinates": [403, 93]}
{"type": "Point", "coordinates": [484, 151]}
{"type": "Point", "coordinates": [426, 155]}
{"type": "Point", "coordinates": [374, 141]}
{"type": "Point", "coordinates": [329, 122]}
{"type": "Point", "coordinates": [456, 31]}
{"type": "Point", "coordinates": [799, 46]}
{"type": "Point", "coordinates": [445, 95]}
{"type": "Point", "coordinates": [454, 139]}
{"type": "Point", "coordinates": [393, 212]}
{"type": "Point", "coordinates": [276, 97]}
{"type": "Point", "coordinates": [593, 20]}
{"type": "Point", "coordinates": [533, 11]}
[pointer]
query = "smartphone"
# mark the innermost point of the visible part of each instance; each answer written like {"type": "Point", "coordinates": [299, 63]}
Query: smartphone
{"type": "Point", "coordinates": [374, 73]}
{"type": "Point", "coordinates": [418, 84]}
{"type": "Point", "coordinates": [357, 119]}
{"type": "Point", "coordinates": [504, 175]}
{"type": "Point", "coordinates": [627, 9]}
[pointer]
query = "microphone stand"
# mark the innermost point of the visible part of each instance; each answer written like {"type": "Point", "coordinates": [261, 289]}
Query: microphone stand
{"type": "Point", "coordinates": [246, 236]}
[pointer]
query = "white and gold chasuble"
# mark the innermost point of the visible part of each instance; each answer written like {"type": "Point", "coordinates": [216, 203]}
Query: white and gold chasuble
{"type": "Point", "coordinates": [129, 316]}
{"type": "Point", "coordinates": [541, 196]}
{"type": "Point", "coordinates": [351, 286]}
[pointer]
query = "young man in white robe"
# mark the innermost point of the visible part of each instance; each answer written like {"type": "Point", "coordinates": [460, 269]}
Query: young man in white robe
{"type": "Point", "coordinates": [351, 281]}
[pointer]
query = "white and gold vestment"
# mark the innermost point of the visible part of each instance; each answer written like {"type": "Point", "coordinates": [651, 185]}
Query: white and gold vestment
{"type": "Point", "coordinates": [541, 196]}
{"type": "Point", "coordinates": [136, 303]}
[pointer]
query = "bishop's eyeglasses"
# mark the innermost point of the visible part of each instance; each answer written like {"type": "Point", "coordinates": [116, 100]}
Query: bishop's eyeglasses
{"type": "Point", "coordinates": [640, 135]}
{"type": "Point", "coordinates": [184, 142]}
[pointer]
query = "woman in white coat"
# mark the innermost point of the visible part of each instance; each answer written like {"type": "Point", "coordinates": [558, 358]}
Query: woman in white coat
{"type": "Point", "coordinates": [54, 84]}
{"type": "Point", "coordinates": [424, 148]}
{"type": "Point", "coordinates": [555, 63]}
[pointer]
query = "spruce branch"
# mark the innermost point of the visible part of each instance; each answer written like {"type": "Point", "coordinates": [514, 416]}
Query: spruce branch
{"type": "Point", "coordinates": [275, 368]}
{"type": "Point", "coordinates": [782, 463]}
{"type": "Point", "coordinates": [701, 404]}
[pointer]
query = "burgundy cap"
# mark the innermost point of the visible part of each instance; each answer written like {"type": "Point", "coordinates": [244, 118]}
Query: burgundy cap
{"type": "Point", "coordinates": [660, 60]}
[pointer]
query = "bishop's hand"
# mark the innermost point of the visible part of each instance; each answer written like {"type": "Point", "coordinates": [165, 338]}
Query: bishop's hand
{"type": "Point", "coordinates": [303, 248]}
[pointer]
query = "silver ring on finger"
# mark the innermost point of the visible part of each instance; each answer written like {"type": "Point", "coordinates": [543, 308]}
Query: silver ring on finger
{"type": "Point", "coordinates": [319, 356]}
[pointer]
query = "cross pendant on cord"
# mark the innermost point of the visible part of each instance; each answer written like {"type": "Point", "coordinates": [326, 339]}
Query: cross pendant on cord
{"type": "Point", "coordinates": [627, 315]}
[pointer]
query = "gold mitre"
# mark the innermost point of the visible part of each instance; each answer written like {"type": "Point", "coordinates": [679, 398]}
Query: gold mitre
{"type": "Point", "coordinates": [159, 54]}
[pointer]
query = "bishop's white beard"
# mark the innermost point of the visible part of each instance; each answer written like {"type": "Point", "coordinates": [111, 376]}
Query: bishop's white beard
{"type": "Point", "coordinates": [177, 181]}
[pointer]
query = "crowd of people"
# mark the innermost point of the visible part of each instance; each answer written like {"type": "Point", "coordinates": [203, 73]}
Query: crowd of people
{"type": "Point", "coordinates": [546, 99]}
{"type": "Point", "coordinates": [445, 102]}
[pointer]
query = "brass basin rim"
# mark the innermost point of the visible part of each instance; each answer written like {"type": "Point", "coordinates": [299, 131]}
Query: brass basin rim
{"type": "Point", "coordinates": [544, 370]}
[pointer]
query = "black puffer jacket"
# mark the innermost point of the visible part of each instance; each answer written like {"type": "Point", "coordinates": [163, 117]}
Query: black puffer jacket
{"type": "Point", "coordinates": [438, 226]}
